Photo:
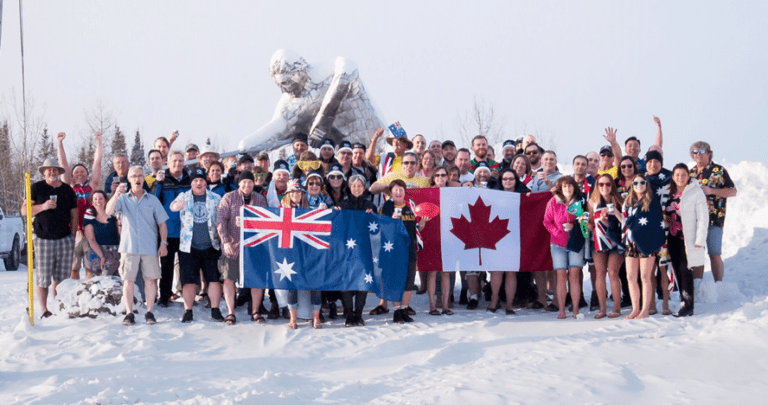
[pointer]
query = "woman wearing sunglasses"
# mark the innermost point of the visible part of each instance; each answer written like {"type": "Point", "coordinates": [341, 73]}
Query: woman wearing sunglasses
{"type": "Point", "coordinates": [605, 222]}
{"type": "Point", "coordinates": [509, 182]}
{"type": "Point", "coordinates": [643, 239]}
{"type": "Point", "coordinates": [336, 184]}
{"type": "Point", "coordinates": [307, 163]}
{"type": "Point", "coordinates": [316, 197]}
{"type": "Point", "coordinates": [627, 171]}
{"type": "Point", "coordinates": [260, 177]}
{"type": "Point", "coordinates": [438, 179]}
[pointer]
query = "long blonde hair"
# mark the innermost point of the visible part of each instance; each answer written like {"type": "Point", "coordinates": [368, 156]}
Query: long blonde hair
{"type": "Point", "coordinates": [287, 203]}
{"type": "Point", "coordinates": [633, 199]}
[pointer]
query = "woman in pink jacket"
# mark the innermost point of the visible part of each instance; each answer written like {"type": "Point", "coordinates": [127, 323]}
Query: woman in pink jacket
{"type": "Point", "coordinates": [566, 246]}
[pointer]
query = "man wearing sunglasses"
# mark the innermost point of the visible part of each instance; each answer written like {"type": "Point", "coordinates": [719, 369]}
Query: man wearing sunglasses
{"type": "Point", "coordinates": [533, 151]}
{"type": "Point", "coordinates": [408, 175]}
{"type": "Point", "coordinates": [610, 155]}
{"type": "Point", "coordinates": [717, 186]}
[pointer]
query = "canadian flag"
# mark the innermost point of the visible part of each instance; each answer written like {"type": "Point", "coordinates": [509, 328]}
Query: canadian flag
{"type": "Point", "coordinates": [481, 229]}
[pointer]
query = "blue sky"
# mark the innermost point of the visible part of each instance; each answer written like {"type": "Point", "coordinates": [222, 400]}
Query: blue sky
{"type": "Point", "coordinates": [563, 69]}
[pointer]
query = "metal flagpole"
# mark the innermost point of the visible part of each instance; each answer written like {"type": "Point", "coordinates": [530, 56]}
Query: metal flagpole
{"type": "Point", "coordinates": [23, 83]}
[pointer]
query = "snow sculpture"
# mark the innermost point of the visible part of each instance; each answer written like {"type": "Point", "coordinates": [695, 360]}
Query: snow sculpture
{"type": "Point", "coordinates": [321, 100]}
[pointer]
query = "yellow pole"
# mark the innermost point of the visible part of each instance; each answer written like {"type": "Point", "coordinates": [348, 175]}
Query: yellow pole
{"type": "Point", "coordinates": [30, 264]}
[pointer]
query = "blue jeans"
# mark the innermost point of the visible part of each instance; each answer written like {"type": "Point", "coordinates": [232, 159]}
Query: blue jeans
{"type": "Point", "coordinates": [714, 240]}
{"type": "Point", "coordinates": [315, 298]}
{"type": "Point", "coordinates": [563, 259]}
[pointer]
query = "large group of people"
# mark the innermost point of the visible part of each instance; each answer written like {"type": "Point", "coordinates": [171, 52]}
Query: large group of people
{"type": "Point", "coordinates": [633, 224]}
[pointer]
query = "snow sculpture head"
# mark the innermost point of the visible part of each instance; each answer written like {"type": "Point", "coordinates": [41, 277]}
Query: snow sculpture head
{"type": "Point", "coordinates": [289, 70]}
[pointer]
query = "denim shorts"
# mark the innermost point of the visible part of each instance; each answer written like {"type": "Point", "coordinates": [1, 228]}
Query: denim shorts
{"type": "Point", "coordinates": [563, 259]}
{"type": "Point", "coordinates": [714, 240]}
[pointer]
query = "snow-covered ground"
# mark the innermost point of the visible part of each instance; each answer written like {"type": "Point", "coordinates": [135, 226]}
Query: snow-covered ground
{"type": "Point", "coordinates": [718, 356]}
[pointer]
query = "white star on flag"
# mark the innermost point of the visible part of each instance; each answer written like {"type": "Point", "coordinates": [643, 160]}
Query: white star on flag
{"type": "Point", "coordinates": [351, 243]}
{"type": "Point", "coordinates": [643, 221]}
{"type": "Point", "coordinates": [662, 224]}
{"type": "Point", "coordinates": [659, 191]}
{"type": "Point", "coordinates": [376, 260]}
{"type": "Point", "coordinates": [389, 246]}
{"type": "Point", "coordinates": [368, 278]}
{"type": "Point", "coordinates": [373, 227]}
{"type": "Point", "coordinates": [285, 269]}
{"type": "Point", "coordinates": [662, 176]}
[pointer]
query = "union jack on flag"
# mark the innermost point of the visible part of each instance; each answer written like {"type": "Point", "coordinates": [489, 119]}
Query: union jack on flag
{"type": "Point", "coordinates": [261, 224]}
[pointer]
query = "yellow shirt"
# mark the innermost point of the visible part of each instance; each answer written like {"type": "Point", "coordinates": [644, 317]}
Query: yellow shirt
{"type": "Point", "coordinates": [395, 163]}
{"type": "Point", "coordinates": [613, 171]}
{"type": "Point", "coordinates": [412, 182]}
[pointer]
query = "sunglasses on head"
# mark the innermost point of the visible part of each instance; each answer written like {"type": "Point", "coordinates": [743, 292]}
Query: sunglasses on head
{"type": "Point", "coordinates": [335, 177]}
{"type": "Point", "coordinates": [639, 182]}
{"type": "Point", "coordinates": [699, 151]}
{"type": "Point", "coordinates": [308, 164]}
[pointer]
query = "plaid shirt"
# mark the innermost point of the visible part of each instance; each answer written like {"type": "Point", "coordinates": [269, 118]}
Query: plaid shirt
{"type": "Point", "coordinates": [229, 209]}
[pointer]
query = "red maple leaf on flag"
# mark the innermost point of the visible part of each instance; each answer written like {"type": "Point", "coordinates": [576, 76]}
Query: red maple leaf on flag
{"type": "Point", "coordinates": [480, 233]}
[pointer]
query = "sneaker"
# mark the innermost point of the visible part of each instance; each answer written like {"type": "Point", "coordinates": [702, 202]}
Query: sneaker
{"type": "Point", "coordinates": [216, 315]}
{"type": "Point", "coordinates": [408, 310]}
{"type": "Point", "coordinates": [150, 318]}
{"type": "Point", "coordinates": [350, 321]}
{"type": "Point", "coordinates": [472, 304]}
{"type": "Point", "coordinates": [129, 319]}
{"type": "Point", "coordinates": [187, 316]}
{"type": "Point", "coordinates": [398, 316]}
{"type": "Point", "coordinates": [359, 321]}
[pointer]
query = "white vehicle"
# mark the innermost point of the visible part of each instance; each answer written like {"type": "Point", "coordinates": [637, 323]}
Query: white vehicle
{"type": "Point", "coordinates": [12, 240]}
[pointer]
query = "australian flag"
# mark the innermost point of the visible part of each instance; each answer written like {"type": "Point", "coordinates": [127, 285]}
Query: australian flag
{"type": "Point", "coordinates": [397, 130]}
{"type": "Point", "coordinates": [323, 249]}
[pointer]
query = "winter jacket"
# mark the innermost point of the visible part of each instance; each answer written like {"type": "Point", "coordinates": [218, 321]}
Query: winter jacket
{"type": "Point", "coordinates": [167, 191]}
{"type": "Point", "coordinates": [555, 216]}
{"type": "Point", "coordinates": [694, 214]}
{"type": "Point", "coordinates": [229, 209]}
{"type": "Point", "coordinates": [361, 203]}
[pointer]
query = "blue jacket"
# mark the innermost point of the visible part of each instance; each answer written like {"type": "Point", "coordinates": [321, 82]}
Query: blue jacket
{"type": "Point", "coordinates": [167, 191]}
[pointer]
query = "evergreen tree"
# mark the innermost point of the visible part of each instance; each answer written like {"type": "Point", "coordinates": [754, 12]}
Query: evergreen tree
{"type": "Point", "coordinates": [137, 152]}
{"type": "Point", "coordinates": [118, 142]}
{"type": "Point", "coordinates": [8, 182]}
{"type": "Point", "coordinates": [47, 148]}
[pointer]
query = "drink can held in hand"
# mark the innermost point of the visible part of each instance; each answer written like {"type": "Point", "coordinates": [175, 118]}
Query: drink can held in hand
{"type": "Point", "coordinates": [611, 208]}
{"type": "Point", "coordinates": [585, 216]}
{"type": "Point", "coordinates": [237, 221]}
{"type": "Point", "coordinates": [54, 197]}
{"type": "Point", "coordinates": [398, 211]}
{"type": "Point", "coordinates": [484, 184]}
{"type": "Point", "coordinates": [565, 226]}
